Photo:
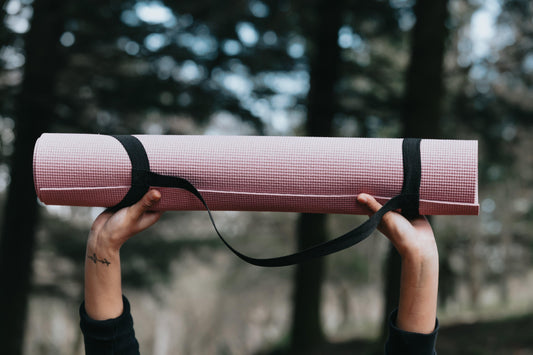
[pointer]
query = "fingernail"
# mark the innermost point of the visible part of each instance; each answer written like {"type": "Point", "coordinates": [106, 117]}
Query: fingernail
{"type": "Point", "coordinates": [361, 198]}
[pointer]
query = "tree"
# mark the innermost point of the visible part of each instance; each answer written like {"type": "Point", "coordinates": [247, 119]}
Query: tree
{"type": "Point", "coordinates": [68, 83]}
{"type": "Point", "coordinates": [422, 105]}
{"type": "Point", "coordinates": [122, 67]}
{"type": "Point", "coordinates": [306, 331]}
{"type": "Point", "coordinates": [34, 114]}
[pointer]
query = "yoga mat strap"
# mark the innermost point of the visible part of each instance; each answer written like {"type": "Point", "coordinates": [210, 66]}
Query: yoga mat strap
{"type": "Point", "coordinates": [412, 171]}
{"type": "Point", "coordinates": [140, 167]}
{"type": "Point", "coordinates": [407, 201]}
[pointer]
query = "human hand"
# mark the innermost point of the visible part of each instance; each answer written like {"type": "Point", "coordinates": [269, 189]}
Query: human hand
{"type": "Point", "coordinates": [415, 242]}
{"type": "Point", "coordinates": [111, 230]}
{"type": "Point", "coordinates": [413, 239]}
{"type": "Point", "coordinates": [103, 284]}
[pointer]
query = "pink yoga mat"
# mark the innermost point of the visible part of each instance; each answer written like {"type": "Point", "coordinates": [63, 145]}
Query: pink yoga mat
{"type": "Point", "coordinates": [257, 173]}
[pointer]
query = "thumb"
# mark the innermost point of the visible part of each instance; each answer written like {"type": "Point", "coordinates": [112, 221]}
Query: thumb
{"type": "Point", "coordinates": [145, 203]}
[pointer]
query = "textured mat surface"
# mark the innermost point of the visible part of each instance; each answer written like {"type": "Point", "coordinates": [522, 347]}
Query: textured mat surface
{"type": "Point", "coordinates": [250, 173]}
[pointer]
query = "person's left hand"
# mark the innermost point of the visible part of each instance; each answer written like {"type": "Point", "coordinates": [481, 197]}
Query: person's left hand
{"type": "Point", "coordinates": [110, 230]}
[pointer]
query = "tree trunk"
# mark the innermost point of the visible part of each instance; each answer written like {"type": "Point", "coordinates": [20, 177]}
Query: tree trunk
{"type": "Point", "coordinates": [424, 80]}
{"type": "Point", "coordinates": [306, 325]}
{"type": "Point", "coordinates": [34, 112]}
{"type": "Point", "coordinates": [422, 105]}
{"type": "Point", "coordinates": [306, 332]}
{"type": "Point", "coordinates": [2, 10]}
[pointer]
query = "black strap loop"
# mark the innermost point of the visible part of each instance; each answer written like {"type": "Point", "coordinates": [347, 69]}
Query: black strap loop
{"type": "Point", "coordinates": [143, 178]}
{"type": "Point", "coordinates": [140, 167]}
{"type": "Point", "coordinates": [412, 170]}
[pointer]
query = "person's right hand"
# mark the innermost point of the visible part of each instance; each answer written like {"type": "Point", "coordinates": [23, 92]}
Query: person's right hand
{"type": "Point", "coordinates": [411, 238]}
{"type": "Point", "coordinates": [415, 242]}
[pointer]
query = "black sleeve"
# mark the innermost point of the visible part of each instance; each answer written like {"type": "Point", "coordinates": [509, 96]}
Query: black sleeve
{"type": "Point", "coordinates": [109, 337]}
{"type": "Point", "coordinates": [402, 342]}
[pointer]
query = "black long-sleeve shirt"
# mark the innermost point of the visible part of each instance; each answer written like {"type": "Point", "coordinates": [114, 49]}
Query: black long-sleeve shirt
{"type": "Point", "coordinates": [117, 337]}
{"type": "Point", "coordinates": [402, 342]}
{"type": "Point", "coordinates": [109, 337]}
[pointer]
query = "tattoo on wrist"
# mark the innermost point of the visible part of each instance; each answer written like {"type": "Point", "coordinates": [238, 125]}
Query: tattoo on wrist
{"type": "Point", "coordinates": [96, 260]}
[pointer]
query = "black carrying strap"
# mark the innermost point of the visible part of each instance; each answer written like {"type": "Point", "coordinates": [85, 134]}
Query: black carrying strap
{"type": "Point", "coordinates": [412, 171]}
{"type": "Point", "coordinates": [142, 179]}
{"type": "Point", "coordinates": [140, 169]}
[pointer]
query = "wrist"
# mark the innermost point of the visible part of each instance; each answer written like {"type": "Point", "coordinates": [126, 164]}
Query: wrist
{"type": "Point", "coordinates": [99, 244]}
{"type": "Point", "coordinates": [98, 255]}
{"type": "Point", "coordinates": [420, 271]}
{"type": "Point", "coordinates": [419, 259]}
{"type": "Point", "coordinates": [422, 253]}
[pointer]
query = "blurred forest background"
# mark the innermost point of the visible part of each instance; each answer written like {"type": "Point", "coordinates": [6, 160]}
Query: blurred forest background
{"type": "Point", "coordinates": [460, 69]}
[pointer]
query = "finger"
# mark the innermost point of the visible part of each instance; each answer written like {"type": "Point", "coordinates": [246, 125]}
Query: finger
{"type": "Point", "coordinates": [144, 204]}
{"type": "Point", "coordinates": [389, 219]}
{"type": "Point", "coordinates": [369, 202]}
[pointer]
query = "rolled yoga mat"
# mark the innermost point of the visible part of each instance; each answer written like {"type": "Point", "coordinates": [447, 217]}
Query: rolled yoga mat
{"type": "Point", "coordinates": [291, 174]}
{"type": "Point", "coordinates": [258, 173]}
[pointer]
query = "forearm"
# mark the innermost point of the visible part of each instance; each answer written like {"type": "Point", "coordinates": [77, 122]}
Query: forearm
{"type": "Point", "coordinates": [103, 290]}
{"type": "Point", "coordinates": [417, 309]}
